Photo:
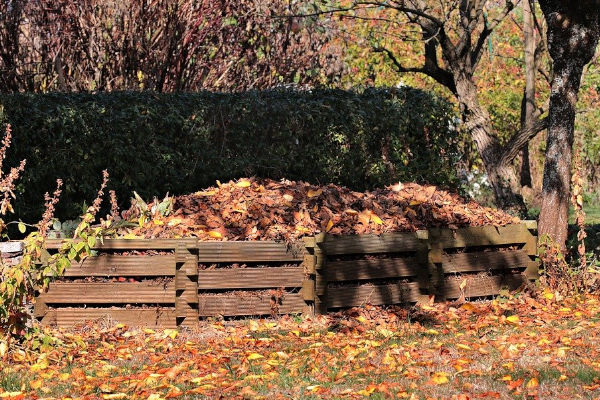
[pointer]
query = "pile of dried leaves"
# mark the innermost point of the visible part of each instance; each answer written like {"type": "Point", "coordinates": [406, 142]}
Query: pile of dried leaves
{"type": "Point", "coordinates": [256, 209]}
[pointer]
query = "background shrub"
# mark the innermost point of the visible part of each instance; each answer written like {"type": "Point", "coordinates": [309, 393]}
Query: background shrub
{"type": "Point", "coordinates": [155, 143]}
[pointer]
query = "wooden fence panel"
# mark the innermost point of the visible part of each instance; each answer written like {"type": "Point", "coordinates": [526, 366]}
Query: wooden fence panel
{"type": "Point", "coordinates": [249, 304]}
{"type": "Point", "coordinates": [251, 278]}
{"type": "Point", "coordinates": [350, 296]}
{"type": "Point", "coordinates": [118, 265]}
{"type": "Point", "coordinates": [317, 274]}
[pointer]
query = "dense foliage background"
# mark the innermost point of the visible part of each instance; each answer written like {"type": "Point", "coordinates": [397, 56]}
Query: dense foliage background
{"type": "Point", "coordinates": [155, 143]}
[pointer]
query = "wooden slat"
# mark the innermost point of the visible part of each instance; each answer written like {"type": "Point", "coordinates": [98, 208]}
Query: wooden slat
{"type": "Point", "coordinates": [257, 251]}
{"type": "Point", "coordinates": [116, 265]}
{"type": "Point", "coordinates": [234, 305]}
{"type": "Point", "coordinates": [350, 296]}
{"type": "Point", "coordinates": [251, 278]}
{"type": "Point", "coordinates": [66, 317]}
{"type": "Point", "coordinates": [484, 261]}
{"type": "Point", "coordinates": [481, 236]}
{"type": "Point", "coordinates": [133, 244]}
{"type": "Point", "coordinates": [109, 293]}
{"type": "Point", "coordinates": [372, 269]}
{"type": "Point", "coordinates": [481, 285]}
{"type": "Point", "coordinates": [369, 244]}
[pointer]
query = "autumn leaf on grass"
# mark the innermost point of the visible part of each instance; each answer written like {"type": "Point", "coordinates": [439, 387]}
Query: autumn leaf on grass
{"type": "Point", "coordinates": [367, 391]}
{"type": "Point", "coordinates": [513, 319]}
{"type": "Point", "coordinates": [440, 378]}
{"type": "Point", "coordinates": [254, 356]}
{"type": "Point", "coordinates": [114, 396]}
{"type": "Point", "coordinates": [532, 384]}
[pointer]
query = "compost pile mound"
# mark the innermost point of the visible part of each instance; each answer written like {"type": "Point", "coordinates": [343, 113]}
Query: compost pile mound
{"type": "Point", "coordinates": [262, 209]}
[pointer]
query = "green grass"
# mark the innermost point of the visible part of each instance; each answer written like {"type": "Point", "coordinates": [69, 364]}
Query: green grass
{"type": "Point", "coordinates": [10, 381]}
{"type": "Point", "coordinates": [592, 215]}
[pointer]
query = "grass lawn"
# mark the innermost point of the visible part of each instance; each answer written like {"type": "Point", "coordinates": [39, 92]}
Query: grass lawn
{"type": "Point", "coordinates": [592, 215]}
{"type": "Point", "coordinates": [517, 348]}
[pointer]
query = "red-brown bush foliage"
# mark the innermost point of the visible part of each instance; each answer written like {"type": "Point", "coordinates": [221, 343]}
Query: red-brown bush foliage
{"type": "Point", "coordinates": [161, 45]}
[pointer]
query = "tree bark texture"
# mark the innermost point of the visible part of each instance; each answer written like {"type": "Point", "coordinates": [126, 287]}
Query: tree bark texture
{"type": "Point", "coordinates": [573, 32]}
{"type": "Point", "coordinates": [528, 110]}
{"type": "Point", "coordinates": [501, 175]}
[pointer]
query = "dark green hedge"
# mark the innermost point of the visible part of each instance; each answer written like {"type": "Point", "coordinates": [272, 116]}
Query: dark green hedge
{"type": "Point", "coordinates": [156, 143]}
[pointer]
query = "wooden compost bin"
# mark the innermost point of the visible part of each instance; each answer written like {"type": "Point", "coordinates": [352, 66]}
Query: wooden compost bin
{"type": "Point", "coordinates": [383, 269]}
{"type": "Point", "coordinates": [153, 288]}
{"type": "Point", "coordinates": [178, 281]}
{"type": "Point", "coordinates": [253, 278]}
{"type": "Point", "coordinates": [484, 259]}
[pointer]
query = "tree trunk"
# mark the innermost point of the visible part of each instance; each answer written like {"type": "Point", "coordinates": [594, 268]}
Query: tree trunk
{"type": "Point", "coordinates": [573, 32]}
{"type": "Point", "coordinates": [528, 107]}
{"type": "Point", "coordinates": [501, 176]}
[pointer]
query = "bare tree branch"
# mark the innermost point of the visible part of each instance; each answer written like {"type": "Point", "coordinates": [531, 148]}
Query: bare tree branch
{"type": "Point", "coordinates": [515, 144]}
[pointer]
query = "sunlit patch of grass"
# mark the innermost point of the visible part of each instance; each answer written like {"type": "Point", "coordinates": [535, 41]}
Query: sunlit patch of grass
{"type": "Point", "coordinates": [586, 375]}
{"type": "Point", "coordinates": [11, 381]}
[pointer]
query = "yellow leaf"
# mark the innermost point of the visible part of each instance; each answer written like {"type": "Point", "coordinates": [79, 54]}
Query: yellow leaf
{"type": "Point", "coordinates": [243, 184]}
{"type": "Point", "coordinates": [114, 396]}
{"type": "Point", "coordinates": [513, 319]}
{"type": "Point", "coordinates": [376, 219]}
{"type": "Point", "coordinates": [533, 383]}
{"type": "Point", "coordinates": [214, 234]}
{"type": "Point", "coordinates": [548, 295]}
{"type": "Point", "coordinates": [174, 221]}
{"type": "Point", "coordinates": [36, 384]}
{"type": "Point", "coordinates": [40, 365]}
{"type": "Point", "coordinates": [255, 356]}
{"type": "Point", "coordinates": [432, 332]}
{"type": "Point", "coordinates": [172, 333]}
{"type": "Point", "coordinates": [367, 391]}
{"type": "Point", "coordinates": [155, 396]}
{"type": "Point", "coordinates": [64, 376]}
{"type": "Point", "coordinates": [3, 348]}
{"type": "Point", "coordinates": [288, 197]}
{"type": "Point", "coordinates": [314, 193]}
{"type": "Point", "coordinates": [329, 226]}
{"type": "Point", "coordinates": [206, 193]}
{"type": "Point", "coordinates": [463, 346]}
{"type": "Point", "coordinates": [8, 395]}
{"type": "Point", "coordinates": [149, 331]}
{"type": "Point", "coordinates": [439, 378]}
{"type": "Point", "coordinates": [506, 378]}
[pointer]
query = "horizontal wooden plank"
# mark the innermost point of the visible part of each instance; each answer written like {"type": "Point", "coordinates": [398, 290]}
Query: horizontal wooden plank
{"type": "Point", "coordinates": [163, 317]}
{"type": "Point", "coordinates": [251, 278]}
{"type": "Point", "coordinates": [253, 251]}
{"type": "Point", "coordinates": [117, 265]}
{"type": "Point", "coordinates": [484, 261]}
{"type": "Point", "coordinates": [478, 286]}
{"type": "Point", "coordinates": [481, 236]}
{"type": "Point", "coordinates": [369, 244]}
{"type": "Point", "coordinates": [109, 293]}
{"type": "Point", "coordinates": [134, 244]}
{"type": "Point", "coordinates": [350, 296]}
{"type": "Point", "coordinates": [235, 305]}
{"type": "Point", "coordinates": [372, 269]}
